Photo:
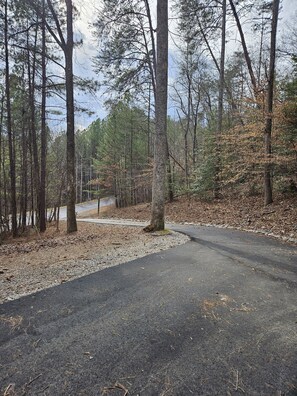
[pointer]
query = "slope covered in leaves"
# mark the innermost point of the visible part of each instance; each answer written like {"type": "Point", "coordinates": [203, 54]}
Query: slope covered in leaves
{"type": "Point", "coordinates": [279, 218]}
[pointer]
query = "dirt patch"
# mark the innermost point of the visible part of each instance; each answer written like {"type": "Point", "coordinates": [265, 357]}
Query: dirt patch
{"type": "Point", "coordinates": [209, 306]}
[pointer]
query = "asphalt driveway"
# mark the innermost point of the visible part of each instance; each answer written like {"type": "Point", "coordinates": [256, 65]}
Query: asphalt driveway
{"type": "Point", "coordinates": [216, 316]}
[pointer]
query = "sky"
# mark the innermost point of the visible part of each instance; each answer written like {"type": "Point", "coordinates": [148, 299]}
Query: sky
{"type": "Point", "coordinates": [84, 54]}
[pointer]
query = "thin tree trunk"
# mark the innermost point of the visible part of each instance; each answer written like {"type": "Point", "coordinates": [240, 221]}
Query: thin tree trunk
{"type": "Point", "coordinates": [42, 193]}
{"type": "Point", "coordinates": [131, 158]}
{"type": "Point", "coordinates": [32, 190]}
{"type": "Point", "coordinates": [268, 124]}
{"type": "Point", "coordinates": [33, 133]}
{"type": "Point", "coordinates": [24, 182]}
{"type": "Point", "coordinates": [227, 88]}
{"type": "Point", "coordinates": [161, 149]}
{"type": "Point", "coordinates": [13, 203]}
{"type": "Point", "coordinates": [260, 52]}
{"type": "Point", "coordinates": [67, 48]}
{"type": "Point", "coordinates": [195, 140]}
{"type": "Point", "coordinates": [220, 105]}
{"type": "Point", "coordinates": [187, 129]}
{"type": "Point", "coordinates": [245, 50]}
{"type": "Point", "coordinates": [71, 188]}
{"type": "Point", "coordinates": [149, 125]}
{"type": "Point", "coordinates": [2, 183]}
{"type": "Point", "coordinates": [169, 175]}
{"type": "Point", "coordinates": [81, 178]}
{"type": "Point", "coordinates": [152, 66]}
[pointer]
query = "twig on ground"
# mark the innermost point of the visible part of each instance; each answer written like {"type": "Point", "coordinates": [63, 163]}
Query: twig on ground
{"type": "Point", "coordinates": [29, 383]}
{"type": "Point", "coordinates": [237, 387]}
{"type": "Point", "coordinates": [9, 391]}
{"type": "Point", "coordinates": [237, 379]}
{"type": "Point", "coordinates": [117, 385]}
{"type": "Point", "coordinates": [168, 387]}
{"type": "Point", "coordinates": [35, 344]}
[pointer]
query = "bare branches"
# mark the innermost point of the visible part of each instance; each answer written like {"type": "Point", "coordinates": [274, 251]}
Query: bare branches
{"type": "Point", "coordinates": [60, 38]}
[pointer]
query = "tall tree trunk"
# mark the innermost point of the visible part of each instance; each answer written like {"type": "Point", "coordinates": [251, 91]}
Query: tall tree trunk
{"type": "Point", "coordinates": [261, 51]}
{"type": "Point", "coordinates": [153, 71]}
{"type": "Point", "coordinates": [32, 190]}
{"type": "Point", "coordinates": [169, 174]}
{"type": "Point", "coordinates": [220, 104]}
{"type": "Point", "coordinates": [33, 132]}
{"type": "Point", "coordinates": [71, 187]}
{"type": "Point", "coordinates": [2, 184]}
{"type": "Point", "coordinates": [195, 139]}
{"type": "Point", "coordinates": [268, 123]}
{"type": "Point", "coordinates": [67, 48]}
{"type": "Point", "coordinates": [13, 203]}
{"type": "Point", "coordinates": [161, 150]}
{"type": "Point", "coordinates": [42, 194]}
{"type": "Point", "coordinates": [187, 129]}
{"type": "Point", "coordinates": [149, 125]}
{"type": "Point", "coordinates": [24, 172]}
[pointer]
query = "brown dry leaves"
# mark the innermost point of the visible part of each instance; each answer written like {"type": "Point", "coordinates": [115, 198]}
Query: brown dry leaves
{"type": "Point", "coordinates": [54, 239]}
{"type": "Point", "coordinates": [279, 218]}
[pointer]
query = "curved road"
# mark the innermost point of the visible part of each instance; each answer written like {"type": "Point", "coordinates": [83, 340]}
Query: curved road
{"type": "Point", "coordinates": [216, 316]}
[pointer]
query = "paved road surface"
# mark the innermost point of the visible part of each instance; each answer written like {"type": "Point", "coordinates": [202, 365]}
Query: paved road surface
{"type": "Point", "coordinates": [79, 208]}
{"type": "Point", "coordinates": [216, 316]}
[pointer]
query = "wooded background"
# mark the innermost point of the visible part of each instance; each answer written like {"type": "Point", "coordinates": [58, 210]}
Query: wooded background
{"type": "Point", "coordinates": [232, 123]}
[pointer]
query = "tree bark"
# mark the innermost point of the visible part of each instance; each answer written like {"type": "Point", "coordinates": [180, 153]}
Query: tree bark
{"type": "Point", "coordinates": [42, 193]}
{"type": "Point", "coordinates": [268, 122]}
{"type": "Point", "coordinates": [24, 177]}
{"type": "Point", "coordinates": [13, 203]}
{"type": "Point", "coordinates": [220, 104]}
{"type": "Point", "coordinates": [161, 151]}
{"type": "Point", "coordinates": [2, 186]}
{"type": "Point", "coordinates": [153, 68]}
{"type": "Point", "coordinates": [71, 185]}
{"type": "Point", "coordinates": [32, 129]}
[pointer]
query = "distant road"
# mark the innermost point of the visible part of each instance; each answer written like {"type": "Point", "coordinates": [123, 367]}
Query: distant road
{"type": "Point", "coordinates": [79, 208]}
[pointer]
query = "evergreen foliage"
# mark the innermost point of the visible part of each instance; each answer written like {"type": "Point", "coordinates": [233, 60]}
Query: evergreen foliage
{"type": "Point", "coordinates": [114, 156]}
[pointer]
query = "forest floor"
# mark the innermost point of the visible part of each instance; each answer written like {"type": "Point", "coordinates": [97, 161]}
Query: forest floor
{"type": "Point", "coordinates": [34, 262]}
{"type": "Point", "coordinates": [245, 213]}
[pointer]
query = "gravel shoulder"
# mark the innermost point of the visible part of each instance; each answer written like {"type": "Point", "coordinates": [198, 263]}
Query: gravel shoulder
{"type": "Point", "coordinates": [37, 262]}
{"type": "Point", "coordinates": [215, 316]}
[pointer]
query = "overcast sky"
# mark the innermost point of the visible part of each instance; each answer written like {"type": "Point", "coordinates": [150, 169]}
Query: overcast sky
{"type": "Point", "coordinates": [83, 55]}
